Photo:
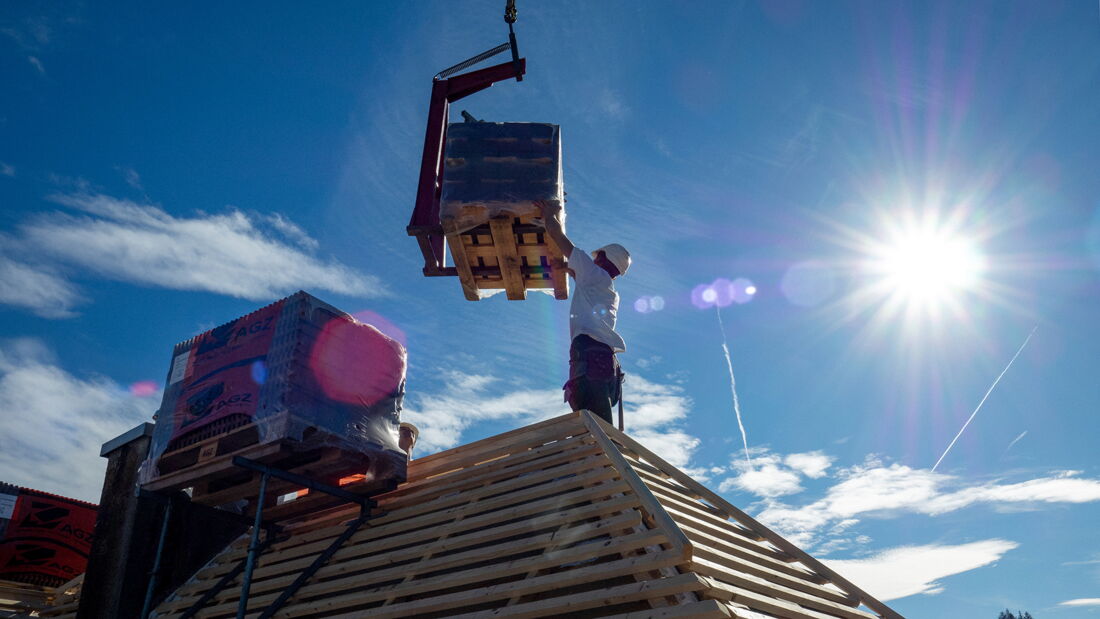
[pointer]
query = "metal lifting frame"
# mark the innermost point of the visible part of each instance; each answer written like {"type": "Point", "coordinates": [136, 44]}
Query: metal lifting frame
{"type": "Point", "coordinates": [319, 562]}
{"type": "Point", "coordinates": [223, 582]}
{"type": "Point", "coordinates": [154, 573]}
{"type": "Point", "coordinates": [424, 224]}
{"type": "Point", "coordinates": [255, 547]}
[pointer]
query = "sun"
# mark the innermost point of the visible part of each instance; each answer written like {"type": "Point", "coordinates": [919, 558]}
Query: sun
{"type": "Point", "coordinates": [919, 270]}
{"type": "Point", "coordinates": [925, 266]}
{"type": "Point", "coordinates": [915, 271]}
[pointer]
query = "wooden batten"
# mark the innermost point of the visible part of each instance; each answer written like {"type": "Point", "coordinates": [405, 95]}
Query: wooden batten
{"type": "Point", "coordinates": [504, 242]}
{"type": "Point", "coordinates": [566, 517]}
{"type": "Point", "coordinates": [508, 253]}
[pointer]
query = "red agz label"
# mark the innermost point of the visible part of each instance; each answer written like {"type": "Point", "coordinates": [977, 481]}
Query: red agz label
{"type": "Point", "coordinates": [222, 371]}
{"type": "Point", "coordinates": [47, 535]}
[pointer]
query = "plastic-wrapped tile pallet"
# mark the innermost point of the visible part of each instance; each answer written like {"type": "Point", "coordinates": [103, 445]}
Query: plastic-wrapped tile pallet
{"type": "Point", "coordinates": [493, 174]}
{"type": "Point", "coordinates": [44, 538]}
{"type": "Point", "coordinates": [297, 383]}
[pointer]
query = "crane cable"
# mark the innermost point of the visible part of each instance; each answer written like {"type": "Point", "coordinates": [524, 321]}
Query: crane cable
{"type": "Point", "coordinates": [510, 16]}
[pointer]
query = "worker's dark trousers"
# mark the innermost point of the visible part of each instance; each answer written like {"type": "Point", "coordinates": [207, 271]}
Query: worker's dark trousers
{"type": "Point", "coordinates": [593, 377]}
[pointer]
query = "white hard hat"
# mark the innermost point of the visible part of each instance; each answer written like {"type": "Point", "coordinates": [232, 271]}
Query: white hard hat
{"type": "Point", "coordinates": [618, 256]}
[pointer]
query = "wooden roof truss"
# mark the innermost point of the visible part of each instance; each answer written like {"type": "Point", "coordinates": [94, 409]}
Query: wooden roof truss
{"type": "Point", "coordinates": [567, 517]}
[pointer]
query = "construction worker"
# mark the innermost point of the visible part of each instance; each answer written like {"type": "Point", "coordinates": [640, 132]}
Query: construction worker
{"type": "Point", "coordinates": [594, 382]}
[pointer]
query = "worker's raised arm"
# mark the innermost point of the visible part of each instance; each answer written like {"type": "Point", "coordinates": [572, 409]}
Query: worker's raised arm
{"type": "Point", "coordinates": [553, 216]}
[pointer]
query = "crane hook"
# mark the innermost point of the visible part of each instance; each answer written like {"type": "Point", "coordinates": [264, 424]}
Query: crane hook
{"type": "Point", "coordinates": [510, 12]}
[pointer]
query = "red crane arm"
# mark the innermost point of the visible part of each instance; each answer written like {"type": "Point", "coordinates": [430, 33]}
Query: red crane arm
{"type": "Point", "coordinates": [424, 224]}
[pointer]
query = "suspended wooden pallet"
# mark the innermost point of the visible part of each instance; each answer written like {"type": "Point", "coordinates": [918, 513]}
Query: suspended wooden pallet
{"type": "Point", "coordinates": [567, 517]}
{"type": "Point", "coordinates": [510, 254]}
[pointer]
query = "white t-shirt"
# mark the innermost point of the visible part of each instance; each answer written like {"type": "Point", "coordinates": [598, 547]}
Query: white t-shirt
{"type": "Point", "coordinates": [595, 302]}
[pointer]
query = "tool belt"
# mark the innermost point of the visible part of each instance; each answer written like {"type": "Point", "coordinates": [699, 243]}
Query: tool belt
{"type": "Point", "coordinates": [593, 361]}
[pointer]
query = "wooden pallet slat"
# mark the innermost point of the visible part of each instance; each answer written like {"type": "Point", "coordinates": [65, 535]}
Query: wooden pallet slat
{"type": "Point", "coordinates": [504, 241]}
{"type": "Point", "coordinates": [461, 261]}
{"type": "Point", "coordinates": [558, 275]}
{"type": "Point", "coordinates": [507, 253]}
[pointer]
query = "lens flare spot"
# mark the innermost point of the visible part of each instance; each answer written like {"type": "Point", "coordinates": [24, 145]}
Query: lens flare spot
{"type": "Point", "coordinates": [144, 389]}
{"type": "Point", "coordinates": [259, 372]}
{"type": "Point", "coordinates": [697, 297]}
{"type": "Point", "coordinates": [657, 303]}
{"type": "Point", "coordinates": [742, 290]}
{"type": "Point", "coordinates": [642, 305]}
{"type": "Point", "coordinates": [705, 296]}
{"type": "Point", "coordinates": [354, 362]}
{"type": "Point", "coordinates": [723, 289]}
{"type": "Point", "coordinates": [383, 324]}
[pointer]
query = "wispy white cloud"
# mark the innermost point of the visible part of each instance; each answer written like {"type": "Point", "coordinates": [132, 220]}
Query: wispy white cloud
{"type": "Point", "coordinates": [1081, 602]}
{"type": "Point", "coordinates": [36, 288]}
{"type": "Point", "coordinates": [1087, 562]}
{"type": "Point", "coordinates": [765, 477]}
{"type": "Point", "coordinates": [812, 464]}
{"type": "Point", "coordinates": [292, 231]}
{"type": "Point", "coordinates": [652, 412]}
{"type": "Point", "coordinates": [30, 33]}
{"type": "Point", "coordinates": [7, 169]}
{"type": "Point", "coordinates": [131, 177]}
{"type": "Point", "coordinates": [469, 399]}
{"type": "Point", "coordinates": [251, 257]}
{"type": "Point", "coordinates": [771, 475]}
{"type": "Point", "coordinates": [53, 423]}
{"type": "Point", "coordinates": [612, 104]}
{"type": "Point", "coordinates": [911, 570]}
{"type": "Point", "coordinates": [37, 64]}
{"type": "Point", "coordinates": [877, 489]}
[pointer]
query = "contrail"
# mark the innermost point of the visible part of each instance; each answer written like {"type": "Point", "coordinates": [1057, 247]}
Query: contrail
{"type": "Point", "coordinates": [1015, 440]}
{"type": "Point", "coordinates": [733, 386]}
{"type": "Point", "coordinates": [991, 387]}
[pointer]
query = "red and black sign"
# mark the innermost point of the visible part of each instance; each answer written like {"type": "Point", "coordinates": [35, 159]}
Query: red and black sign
{"type": "Point", "coordinates": [221, 367]}
{"type": "Point", "coordinates": [47, 540]}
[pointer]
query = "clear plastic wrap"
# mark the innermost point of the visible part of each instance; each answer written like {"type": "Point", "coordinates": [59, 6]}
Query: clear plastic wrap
{"type": "Point", "coordinates": [495, 169]}
{"type": "Point", "coordinates": [298, 371]}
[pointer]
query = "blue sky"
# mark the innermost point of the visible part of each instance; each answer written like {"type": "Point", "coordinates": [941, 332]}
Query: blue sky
{"type": "Point", "coordinates": [165, 168]}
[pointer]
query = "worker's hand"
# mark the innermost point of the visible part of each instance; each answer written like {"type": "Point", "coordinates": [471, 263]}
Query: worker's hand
{"type": "Point", "coordinates": [553, 217]}
{"type": "Point", "coordinates": [548, 209]}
